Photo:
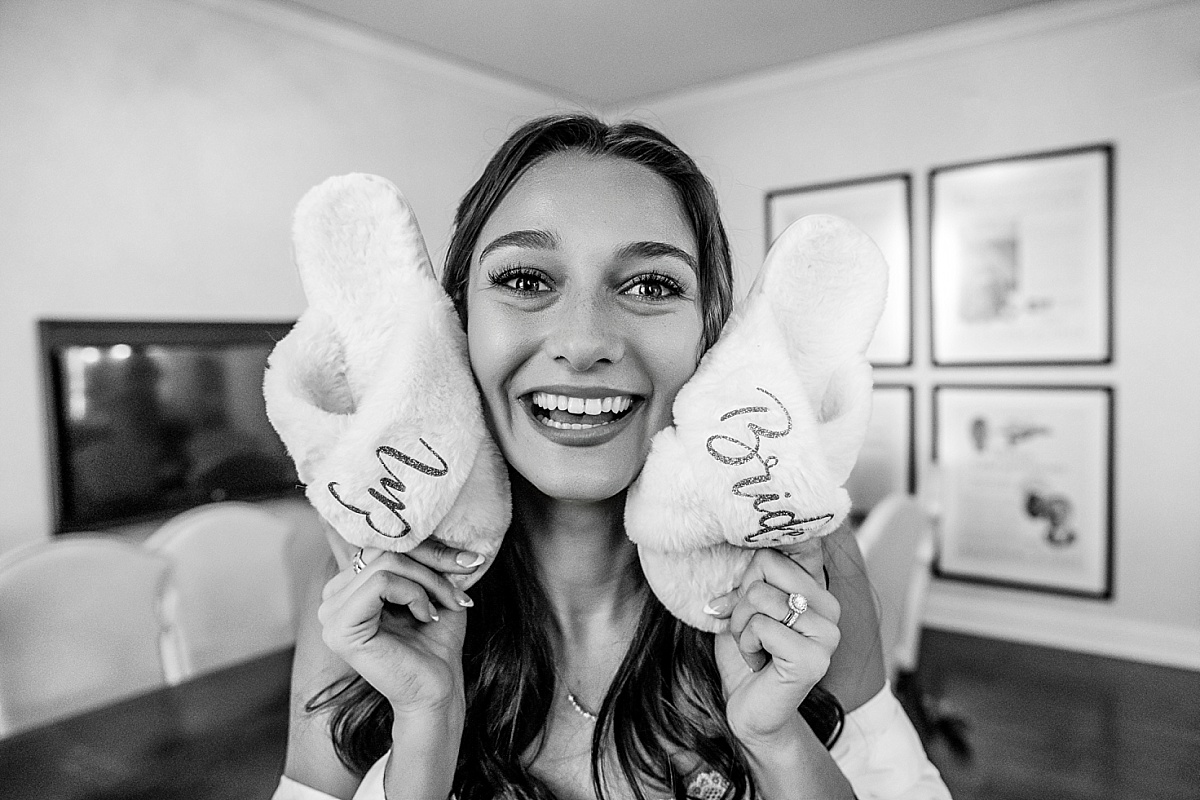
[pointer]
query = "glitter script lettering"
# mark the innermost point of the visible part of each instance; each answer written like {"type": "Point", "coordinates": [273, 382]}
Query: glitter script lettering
{"type": "Point", "coordinates": [391, 486]}
{"type": "Point", "coordinates": [735, 452]}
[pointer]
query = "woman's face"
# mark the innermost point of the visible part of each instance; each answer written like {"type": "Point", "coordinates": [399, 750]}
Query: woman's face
{"type": "Point", "coordinates": [583, 320]}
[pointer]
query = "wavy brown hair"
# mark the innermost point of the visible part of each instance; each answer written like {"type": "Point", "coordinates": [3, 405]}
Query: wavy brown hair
{"type": "Point", "coordinates": [667, 694]}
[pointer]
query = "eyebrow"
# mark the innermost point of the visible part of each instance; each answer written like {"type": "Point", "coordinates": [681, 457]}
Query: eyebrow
{"type": "Point", "coordinates": [533, 239]}
{"type": "Point", "coordinates": [657, 250]}
{"type": "Point", "coordinates": [544, 240]}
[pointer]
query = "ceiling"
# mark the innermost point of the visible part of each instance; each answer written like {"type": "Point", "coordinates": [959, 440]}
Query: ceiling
{"type": "Point", "coordinates": [614, 52]}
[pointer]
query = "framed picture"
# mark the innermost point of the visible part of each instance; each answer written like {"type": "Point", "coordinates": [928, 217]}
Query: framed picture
{"type": "Point", "coordinates": [1026, 480]}
{"type": "Point", "coordinates": [1021, 259]}
{"type": "Point", "coordinates": [882, 208]}
{"type": "Point", "coordinates": [887, 462]}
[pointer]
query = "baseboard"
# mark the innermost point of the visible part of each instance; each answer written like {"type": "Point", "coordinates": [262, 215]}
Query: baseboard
{"type": "Point", "coordinates": [1097, 633]}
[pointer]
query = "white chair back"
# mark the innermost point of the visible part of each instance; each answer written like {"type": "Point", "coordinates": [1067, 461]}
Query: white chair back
{"type": "Point", "coordinates": [83, 622]}
{"type": "Point", "coordinates": [896, 539]}
{"type": "Point", "coordinates": [232, 571]}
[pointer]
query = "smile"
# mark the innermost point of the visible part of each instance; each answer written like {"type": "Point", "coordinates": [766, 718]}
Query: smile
{"type": "Point", "coordinates": [578, 413]}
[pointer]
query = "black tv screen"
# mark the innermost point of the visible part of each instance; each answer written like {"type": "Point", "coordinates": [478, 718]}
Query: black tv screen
{"type": "Point", "coordinates": [147, 419]}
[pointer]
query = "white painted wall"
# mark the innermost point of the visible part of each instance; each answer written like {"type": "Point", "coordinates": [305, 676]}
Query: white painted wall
{"type": "Point", "coordinates": [1127, 72]}
{"type": "Point", "coordinates": [152, 152]}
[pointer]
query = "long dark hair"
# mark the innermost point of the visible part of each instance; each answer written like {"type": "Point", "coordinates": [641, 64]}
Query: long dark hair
{"type": "Point", "coordinates": [667, 695]}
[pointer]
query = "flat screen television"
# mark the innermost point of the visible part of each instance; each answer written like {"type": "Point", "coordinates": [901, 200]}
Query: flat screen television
{"type": "Point", "coordinates": [147, 419]}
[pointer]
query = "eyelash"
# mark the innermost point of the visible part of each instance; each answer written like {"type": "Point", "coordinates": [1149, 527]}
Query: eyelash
{"type": "Point", "coordinates": [503, 277]}
{"type": "Point", "coordinates": [670, 285]}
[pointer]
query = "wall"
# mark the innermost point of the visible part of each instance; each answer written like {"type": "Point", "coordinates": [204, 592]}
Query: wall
{"type": "Point", "coordinates": [1062, 75]}
{"type": "Point", "coordinates": [153, 151]}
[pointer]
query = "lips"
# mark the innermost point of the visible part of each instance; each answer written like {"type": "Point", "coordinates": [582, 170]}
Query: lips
{"type": "Point", "coordinates": [572, 412]}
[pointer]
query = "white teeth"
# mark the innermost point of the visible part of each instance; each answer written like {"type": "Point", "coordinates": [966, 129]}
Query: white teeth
{"type": "Point", "coordinates": [583, 406]}
{"type": "Point", "coordinates": [574, 426]}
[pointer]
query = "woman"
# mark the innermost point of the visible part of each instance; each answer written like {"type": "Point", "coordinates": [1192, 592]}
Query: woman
{"type": "Point", "coordinates": [591, 271]}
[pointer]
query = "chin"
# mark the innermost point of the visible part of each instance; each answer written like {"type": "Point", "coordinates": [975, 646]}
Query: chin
{"type": "Point", "coordinates": [582, 487]}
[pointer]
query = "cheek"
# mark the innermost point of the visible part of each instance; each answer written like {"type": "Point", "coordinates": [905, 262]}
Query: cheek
{"type": "Point", "coordinates": [673, 354]}
{"type": "Point", "coordinates": [485, 351]}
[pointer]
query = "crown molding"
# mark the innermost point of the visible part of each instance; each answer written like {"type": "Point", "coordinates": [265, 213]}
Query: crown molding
{"type": "Point", "coordinates": [310, 24]}
{"type": "Point", "coordinates": [873, 58]}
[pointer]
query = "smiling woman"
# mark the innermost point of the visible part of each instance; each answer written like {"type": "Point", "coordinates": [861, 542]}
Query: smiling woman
{"type": "Point", "coordinates": [591, 271]}
{"type": "Point", "coordinates": [583, 289]}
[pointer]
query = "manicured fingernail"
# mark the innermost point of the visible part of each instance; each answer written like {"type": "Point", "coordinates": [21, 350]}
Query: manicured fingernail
{"type": "Point", "coordinates": [467, 559]}
{"type": "Point", "coordinates": [433, 616]}
{"type": "Point", "coordinates": [714, 607]}
{"type": "Point", "coordinates": [465, 601]}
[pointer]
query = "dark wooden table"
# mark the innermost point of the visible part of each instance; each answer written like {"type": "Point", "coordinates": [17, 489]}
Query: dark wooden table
{"type": "Point", "coordinates": [221, 735]}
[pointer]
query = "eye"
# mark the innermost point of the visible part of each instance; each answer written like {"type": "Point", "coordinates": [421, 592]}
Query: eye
{"type": "Point", "coordinates": [653, 286]}
{"type": "Point", "coordinates": [519, 280]}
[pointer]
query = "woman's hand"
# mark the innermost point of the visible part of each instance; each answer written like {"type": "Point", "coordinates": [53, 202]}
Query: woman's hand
{"type": "Point", "coordinates": [400, 624]}
{"type": "Point", "coordinates": [768, 668]}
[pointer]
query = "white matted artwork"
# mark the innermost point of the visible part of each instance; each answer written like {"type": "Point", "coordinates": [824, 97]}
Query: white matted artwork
{"type": "Point", "coordinates": [1026, 486]}
{"type": "Point", "coordinates": [882, 208]}
{"type": "Point", "coordinates": [886, 462]}
{"type": "Point", "coordinates": [1021, 259]}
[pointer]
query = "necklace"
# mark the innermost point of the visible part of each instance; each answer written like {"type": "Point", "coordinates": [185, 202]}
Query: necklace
{"type": "Point", "coordinates": [583, 712]}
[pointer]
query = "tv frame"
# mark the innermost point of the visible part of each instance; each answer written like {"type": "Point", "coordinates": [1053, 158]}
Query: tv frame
{"type": "Point", "coordinates": [55, 333]}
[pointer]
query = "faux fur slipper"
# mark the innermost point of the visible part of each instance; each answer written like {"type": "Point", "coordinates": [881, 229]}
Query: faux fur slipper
{"type": "Point", "coordinates": [768, 428]}
{"type": "Point", "coordinates": [371, 391]}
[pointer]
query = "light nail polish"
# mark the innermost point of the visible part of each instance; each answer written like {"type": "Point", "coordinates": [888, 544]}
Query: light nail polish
{"type": "Point", "coordinates": [468, 560]}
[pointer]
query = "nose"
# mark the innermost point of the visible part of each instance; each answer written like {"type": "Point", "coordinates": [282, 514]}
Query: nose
{"type": "Point", "coordinates": [585, 333]}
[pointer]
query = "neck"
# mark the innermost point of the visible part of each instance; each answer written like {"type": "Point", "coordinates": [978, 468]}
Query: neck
{"type": "Point", "coordinates": [585, 563]}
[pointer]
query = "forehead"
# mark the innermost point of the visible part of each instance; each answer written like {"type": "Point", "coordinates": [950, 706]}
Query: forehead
{"type": "Point", "coordinates": [607, 198]}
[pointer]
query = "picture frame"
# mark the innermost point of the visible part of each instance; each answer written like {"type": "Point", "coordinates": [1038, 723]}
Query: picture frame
{"type": "Point", "coordinates": [887, 461]}
{"type": "Point", "coordinates": [1025, 477]}
{"type": "Point", "coordinates": [1021, 259]}
{"type": "Point", "coordinates": [881, 206]}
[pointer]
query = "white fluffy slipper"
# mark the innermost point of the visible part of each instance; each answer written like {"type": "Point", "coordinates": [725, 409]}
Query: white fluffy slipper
{"type": "Point", "coordinates": [767, 430]}
{"type": "Point", "coordinates": [371, 391]}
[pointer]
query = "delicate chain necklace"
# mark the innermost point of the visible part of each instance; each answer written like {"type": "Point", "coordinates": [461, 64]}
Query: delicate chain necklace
{"type": "Point", "coordinates": [583, 712]}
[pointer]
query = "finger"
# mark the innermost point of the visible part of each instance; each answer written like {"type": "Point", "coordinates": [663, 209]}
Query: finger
{"type": "Point", "coordinates": [359, 613]}
{"type": "Point", "coordinates": [804, 657]}
{"type": "Point", "coordinates": [758, 598]}
{"type": "Point", "coordinates": [750, 646]}
{"type": "Point", "coordinates": [796, 659]}
{"type": "Point", "coordinates": [778, 570]}
{"type": "Point", "coordinates": [348, 571]}
{"type": "Point", "coordinates": [434, 583]}
{"type": "Point", "coordinates": [445, 558]}
{"type": "Point", "coordinates": [809, 556]}
{"type": "Point", "coordinates": [763, 600]}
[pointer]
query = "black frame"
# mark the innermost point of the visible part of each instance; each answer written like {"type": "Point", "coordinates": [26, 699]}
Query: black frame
{"type": "Point", "coordinates": [1108, 149]}
{"type": "Point", "coordinates": [907, 180]}
{"type": "Point", "coordinates": [1109, 547]}
{"type": "Point", "coordinates": [55, 333]}
{"type": "Point", "coordinates": [911, 460]}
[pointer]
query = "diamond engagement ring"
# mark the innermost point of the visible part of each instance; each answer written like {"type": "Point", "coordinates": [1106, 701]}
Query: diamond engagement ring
{"type": "Point", "coordinates": [797, 605]}
{"type": "Point", "coordinates": [357, 562]}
